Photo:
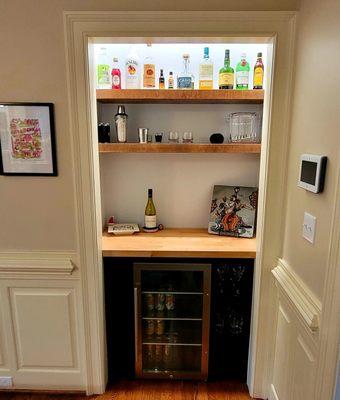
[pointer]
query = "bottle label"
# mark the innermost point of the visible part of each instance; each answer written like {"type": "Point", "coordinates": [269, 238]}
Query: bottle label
{"type": "Point", "coordinates": [149, 75]}
{"type": "Point", "coordinates": [242, 78]}
{"type": "Point", "coordinates": [103, 74]}
{"type": "Point", "coordinates": [258, 76]}
{"type": "Point", "coordinates": [226, 79]}
{"type": "Point", "coordinates": [116, 80]}
{"type": "Point", "coordinates": [206, 84]}
{"type": "Point", "coordinates": [150, 221]}
{"type": "Point", "coordinates": [184, 82]}
{"type": "Point", "coordinates": [206, 71]}
{"type": "Point", "coordinates": [132, 74]}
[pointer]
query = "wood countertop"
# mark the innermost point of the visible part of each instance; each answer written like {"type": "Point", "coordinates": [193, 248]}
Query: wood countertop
{"type": "Point", "coordinates": [178, 243]}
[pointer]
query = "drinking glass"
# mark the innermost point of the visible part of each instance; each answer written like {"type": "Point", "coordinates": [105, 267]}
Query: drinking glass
{"type": "Point", "coordinates": [173, 137]}
{"type": "Point", "coordinates": [187, 137]}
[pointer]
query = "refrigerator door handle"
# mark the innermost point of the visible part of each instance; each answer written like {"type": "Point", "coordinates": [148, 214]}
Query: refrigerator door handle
{"type": "Point", "coordinates": [136, 323]}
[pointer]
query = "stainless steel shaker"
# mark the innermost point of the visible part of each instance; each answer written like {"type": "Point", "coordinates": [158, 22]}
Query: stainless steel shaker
{"type": "Point", "coordinates": [121, 124]}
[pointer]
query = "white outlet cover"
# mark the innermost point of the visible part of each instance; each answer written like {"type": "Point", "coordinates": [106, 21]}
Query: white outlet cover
{"type": "Point", "coordinates": [308, 228]}
{"type": "Point", "coordinates": [6, 381]}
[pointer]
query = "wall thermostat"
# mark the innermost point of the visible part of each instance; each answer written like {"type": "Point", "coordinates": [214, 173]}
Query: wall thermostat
{"type": "Point", "coordinates": [312, 172]}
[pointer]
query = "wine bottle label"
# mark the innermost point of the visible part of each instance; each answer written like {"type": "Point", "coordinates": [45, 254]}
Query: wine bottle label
{"type": "Point", "coordinates": [258, 76]}
{"type": "Point", "coordinates": [103, 74]}
{"type": "Point", "coordinates": [242, 77]}
{"type": "Point", "coordinates": [226, 78]}
{"type": "Point", "coordinates": [149, 75]}
{"type": "Point", "coordinates": [150, 221]}
{"type": "Point", "coordinates": [184, 82]}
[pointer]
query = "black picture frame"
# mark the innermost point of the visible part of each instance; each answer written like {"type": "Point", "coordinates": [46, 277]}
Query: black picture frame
{"type": "Point", "coordinates": [51, 163]}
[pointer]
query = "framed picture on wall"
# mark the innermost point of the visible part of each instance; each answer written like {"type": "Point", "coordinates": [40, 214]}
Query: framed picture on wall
{"type": "Point", "coordinates": [27, 139]}
{"type": "Point", "coordinates": [233, 211]}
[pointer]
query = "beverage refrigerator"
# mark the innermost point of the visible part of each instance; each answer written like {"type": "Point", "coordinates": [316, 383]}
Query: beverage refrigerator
{"type": "Point", "coordinates": [172, 320]}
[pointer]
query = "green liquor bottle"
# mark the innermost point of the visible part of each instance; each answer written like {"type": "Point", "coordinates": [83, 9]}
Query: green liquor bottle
{"type": "Point", "coordinates": [242, 73]}
{"type": "Point", "coordinates": [226, 74]}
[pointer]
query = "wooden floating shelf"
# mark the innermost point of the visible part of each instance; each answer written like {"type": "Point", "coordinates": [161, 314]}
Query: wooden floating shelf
{"type": "Point", "coordinates": [253, 148]}
{"type": "Point", "coordinates": [179, 96]}
{"type": "Point", "coordinates": [178, 243]}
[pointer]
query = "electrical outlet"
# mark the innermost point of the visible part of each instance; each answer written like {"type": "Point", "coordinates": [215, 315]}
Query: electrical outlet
{"type": "Point", "coordinates": [6, 381]}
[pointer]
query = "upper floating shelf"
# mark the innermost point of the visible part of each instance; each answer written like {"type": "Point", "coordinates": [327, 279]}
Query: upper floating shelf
{"type": "Point", "coordinates": [179, 96]}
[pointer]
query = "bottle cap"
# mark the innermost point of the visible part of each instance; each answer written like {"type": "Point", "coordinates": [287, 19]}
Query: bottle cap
{"type": "Point", "coordinates": [115, 59]}
{"type": "Point", "coordinates": [243, 56]}
{"type": "Point", "coordinates": [186, 56]}
{"type": "Point", "coordinates": [121, 110]}
{"type": "Point", "coordinates": [150, 192]}
{"type": "Point", "coordinates": [170, 73]}
{"type": "Point", "coordinates": [259, 54]}
{"type": "Point", "coordinates": [206, 51]}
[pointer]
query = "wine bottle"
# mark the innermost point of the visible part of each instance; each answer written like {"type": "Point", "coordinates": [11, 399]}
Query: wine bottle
{"type": "Point", "coordinates": [150, 218]}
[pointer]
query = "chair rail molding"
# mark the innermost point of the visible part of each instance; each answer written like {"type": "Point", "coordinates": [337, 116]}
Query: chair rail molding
{"type": "Point", "coordinates": [305, 303]}
{"type": "Point", "coordinates": [31, 264]}
{"type": "Point", "coordinates": [81, 30]}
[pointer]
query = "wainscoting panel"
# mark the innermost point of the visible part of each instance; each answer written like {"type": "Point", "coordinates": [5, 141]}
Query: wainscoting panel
{"type": "Point", "coordinates": [297, 339]}
{"type": "Point", "coordinates": [42, 323]}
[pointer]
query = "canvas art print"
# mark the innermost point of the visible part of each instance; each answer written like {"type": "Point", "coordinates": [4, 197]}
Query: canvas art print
{"type": "Point", "coordinates": [233, 211]}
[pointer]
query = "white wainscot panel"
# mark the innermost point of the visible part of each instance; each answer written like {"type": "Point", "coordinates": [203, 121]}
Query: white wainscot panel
{"type": "Point", "coordinates": [44, 322]}
{"type": "Point", "coordinates": [282, 356]}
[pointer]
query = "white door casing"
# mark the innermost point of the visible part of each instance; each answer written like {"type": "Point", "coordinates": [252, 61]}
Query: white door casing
{"type": "Point", "coordinates": [279, 29]}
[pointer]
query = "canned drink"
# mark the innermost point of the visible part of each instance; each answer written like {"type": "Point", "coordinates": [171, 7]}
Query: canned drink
{"type": "Point", "coordinates": [160, 325]}
{"type": "Point", "coordinates": [170, 302]}
{"type": "Point", "coordinates": [160, 302]}
{"type": "Point", "coordinates": [150, 303]}
{"type": "Point", "coordinates": [150, 327]}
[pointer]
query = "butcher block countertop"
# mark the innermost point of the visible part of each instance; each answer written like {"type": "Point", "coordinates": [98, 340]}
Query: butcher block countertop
{"type": "Point", "coordinates": [178, 243]}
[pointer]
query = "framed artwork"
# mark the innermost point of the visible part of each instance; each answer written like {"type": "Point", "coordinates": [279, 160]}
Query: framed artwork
{"type": "Point", "coordinates": [27, 139]}
{"type": "Point", "coordinates": [233, 211]}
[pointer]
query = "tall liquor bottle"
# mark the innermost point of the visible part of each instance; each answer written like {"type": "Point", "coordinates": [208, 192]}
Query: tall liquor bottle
{"type": "Point", "coordinates": [226, 74]}
{"type": "Point", "coordinates": [132, 70]}
{"type": "Point", "coordinates": [116, 77]}
{"type": "Point", "coordinates": [242, 73]}
{"type": "Point", "coordinates": [206, 72]}
{"type": "Point", "coordinates": [258, 72]}
{"type": "Point", "coordinates": [185, 80]}
{"type": "Point", "coordinates": [150, 218]}
{"type": "Point", "coordinates": [149, 73]}
{"type": "Point", "coordinates": [103, 70]}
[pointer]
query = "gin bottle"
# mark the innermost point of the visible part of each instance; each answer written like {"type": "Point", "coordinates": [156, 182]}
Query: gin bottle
{"type": "Point", "coordinates": [242, 73]}
{"type": "Point", "coordinates": [185, 80]}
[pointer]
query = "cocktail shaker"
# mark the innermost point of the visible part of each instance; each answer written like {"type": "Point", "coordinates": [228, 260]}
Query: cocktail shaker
{"type": "Point", "coordinates": [121, 124]}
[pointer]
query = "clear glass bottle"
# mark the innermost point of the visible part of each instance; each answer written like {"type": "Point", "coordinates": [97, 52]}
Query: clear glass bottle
{"type": "Point", "coordinates": [103, 70]}
{"type": "Point", "coordinates": [185, 80]}
{"type": "Point", "coordinates": [206, 72]}
{"type": "Point", "coordinates": [150, 217]}
{"type": "Point", "coordinates": [258, 72]}
{"type": "Point", "coordinates": [171, 81]}
{"type": "Point", "coordinates": [242, 73]}
{"type": "Point", "coordinates": [116, 77]}
{"type": "Point", "coordinates": [149, 71]}
{"type": "Point", "coordinates": [226, 74]}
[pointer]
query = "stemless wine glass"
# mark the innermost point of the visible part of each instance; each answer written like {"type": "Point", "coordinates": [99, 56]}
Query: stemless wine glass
{"type": "Point", "coordinates": [188, 137]}
{"type": "Point", "coordinates": [173, 137]}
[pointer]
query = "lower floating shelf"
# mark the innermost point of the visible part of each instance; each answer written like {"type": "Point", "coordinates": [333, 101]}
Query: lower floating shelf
{"type": "Point", "coordinates": [178, 243]}
{"type": "Point", "coordinates": [254, 148]}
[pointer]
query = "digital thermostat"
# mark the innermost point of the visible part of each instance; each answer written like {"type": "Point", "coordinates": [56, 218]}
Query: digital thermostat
{"type": "Point", "coordinates": [312, 172]}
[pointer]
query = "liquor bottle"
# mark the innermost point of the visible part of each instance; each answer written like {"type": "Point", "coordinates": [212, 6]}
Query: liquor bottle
{"type": "Point", "coordinates": [171, 80]}
{"type": "Point", "coordinates": [242, 73]}
{"type": "Point", "coordinates": [226, 74]}
{"type": "Point", "coordinates": [149, 75]}
{"type": "Point", "coordinates": [185, 79]}
{"type": "Point", "coordinates": [132, 70]}
{"type": "Point", "coordinates": [103, 70]}
{"type": "Point", "coordinates": [150, 218]}
{"type": "Point", "coordinates": [116, 75]}
{"type": "Point", "coordinates": [161, 80]}
{"type": "Point", "coordinates": [206, 72]}
{"type": "Point", "coordinates": [258, 72]}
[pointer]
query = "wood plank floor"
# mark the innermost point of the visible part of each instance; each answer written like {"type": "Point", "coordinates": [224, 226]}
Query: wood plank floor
{"type": "Point", "coordinates": [151, 390]}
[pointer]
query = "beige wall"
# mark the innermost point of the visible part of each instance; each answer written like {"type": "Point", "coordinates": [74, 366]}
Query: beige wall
{"type": "Point", "coordinates": [315, 129]}
{"type": "Point", "coordinates": [38, 213]}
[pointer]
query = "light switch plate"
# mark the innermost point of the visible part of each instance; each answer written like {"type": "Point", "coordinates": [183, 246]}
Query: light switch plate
{"type": "Point", "coordinates": [6, 382]}
{"type": "Point", "coordinates": [308, 228]}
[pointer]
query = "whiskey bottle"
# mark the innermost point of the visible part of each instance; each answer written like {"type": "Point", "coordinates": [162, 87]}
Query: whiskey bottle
{"type": "Point", "coordinates": [226, 74]}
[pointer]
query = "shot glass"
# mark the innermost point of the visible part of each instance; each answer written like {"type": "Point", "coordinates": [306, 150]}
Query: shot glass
{"type": "Point", "coordinates": [188, 137]}
{"type": "Point", "coordinates": [173, 137]}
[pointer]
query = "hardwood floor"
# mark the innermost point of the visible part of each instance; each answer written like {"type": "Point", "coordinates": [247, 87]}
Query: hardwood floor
{"type": "Point", "coordinates": [151, 390]}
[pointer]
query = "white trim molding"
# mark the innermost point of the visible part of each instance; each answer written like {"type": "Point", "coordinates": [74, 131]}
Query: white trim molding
{"type": "Point", "coordinates": [307, 305]}
{"type": "Point", "coordinates": [42, 263]}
